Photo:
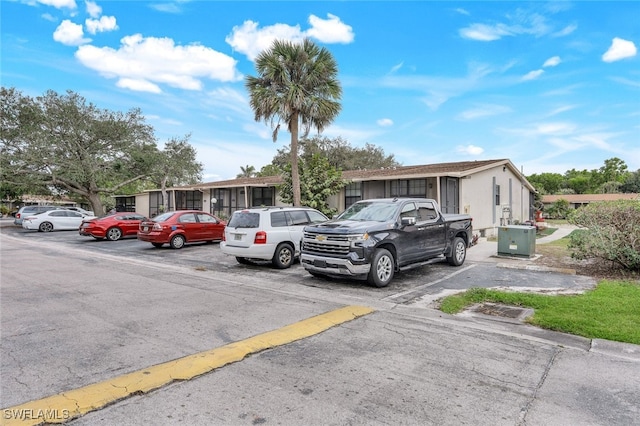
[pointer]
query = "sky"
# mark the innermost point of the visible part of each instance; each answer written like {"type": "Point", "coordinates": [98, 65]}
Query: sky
{"type": "Point", "coordinates": [552, 86]}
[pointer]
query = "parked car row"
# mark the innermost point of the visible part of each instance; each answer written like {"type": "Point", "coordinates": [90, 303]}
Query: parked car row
{"type": "Point", "coordinates": [255, 234]}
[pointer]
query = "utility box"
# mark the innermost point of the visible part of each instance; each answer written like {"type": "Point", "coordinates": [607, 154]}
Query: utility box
{"type": "Point", "coordinates": [517, 240]}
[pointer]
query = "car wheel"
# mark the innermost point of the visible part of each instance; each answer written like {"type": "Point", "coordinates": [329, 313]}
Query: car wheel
{"type": "Point", "coordinates": [382, 268]}
{"type": "Point", "coordinates": [177, 242]}
{"type": "Point", "coordinates": [157, 245]}
{"type": "Point", "coordinates": [243, 260]}
{"type": "Point", "coordinates": [458, 253]}
{"type": "Point", "coordinates": [114, 234]}
{"type": "Point", "coordinates": [46, 227]}
{"type": "Point", "coordinates": [283, 257]}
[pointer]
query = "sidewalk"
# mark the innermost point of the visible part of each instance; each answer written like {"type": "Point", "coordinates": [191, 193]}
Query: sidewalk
{"type": "Point", "coordinates": [487, 251]}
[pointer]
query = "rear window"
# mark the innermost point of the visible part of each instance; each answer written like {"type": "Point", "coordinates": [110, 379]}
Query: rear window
{"type": "Point", "coordinates": [244, 220]}
{"type": "Point", "coordinates": [163, 217]}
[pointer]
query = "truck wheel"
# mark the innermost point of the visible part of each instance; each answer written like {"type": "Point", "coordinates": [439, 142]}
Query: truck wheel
{"type": "Point", "coordinates": [382, 268]}
{"type": "Point", "coordinates": [283, 257]}
{"type": "Point", "coordinates": [458, 252]}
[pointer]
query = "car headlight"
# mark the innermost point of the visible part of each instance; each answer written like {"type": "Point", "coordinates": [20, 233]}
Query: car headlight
{"type": "Point", "coordinates": [357, 238]}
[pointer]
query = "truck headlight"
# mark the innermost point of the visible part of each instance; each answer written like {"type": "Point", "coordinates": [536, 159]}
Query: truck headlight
{"type": "Point", "coordinates": [357, 238]}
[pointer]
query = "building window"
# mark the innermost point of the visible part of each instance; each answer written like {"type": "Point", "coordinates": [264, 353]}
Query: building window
{"type": "Point", "coordinates": [352, 193]}
{"type": "Point", "coordinates": [262, 197]}
{"type": "Point", "coordinates": [409, 188]}
{"type": "Point", "coordinates": [497, 195]}
{"type": "Point", "coordinates": [126, 204]}
{"type": "Point", "coordinates": [188, 200]}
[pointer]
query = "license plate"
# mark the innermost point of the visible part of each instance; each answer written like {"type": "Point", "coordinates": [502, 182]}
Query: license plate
{"type": "Point", "coordinates": [320, 263]}
{"type": "Point", "coordinates": [237, 237]}
{"type": "Point", "coordinates": [145, 229]}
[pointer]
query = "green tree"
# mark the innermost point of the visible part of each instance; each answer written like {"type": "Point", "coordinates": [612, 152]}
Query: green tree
{"type": "Point", "coordinates": [632, 183]}
{"type": "Point", "coordinates": [581, 182]}
{"type": "Point", "coordinates": [176, 165]}
{"type": "Point", "coordinates": [66, 144]}
{"type": "Point", "coordinates": [246, 172]}
{"type": "Point", "coordinates": [339, 153]}
{"type": "Point", "coordinates": [614, 170]}
{"type": "Point", "coordinates": [546, 183]}
{"type": "Point", "coordinates": [270, 170]}
{"type": "Point", "coordinates": [559, 209]}
{"type": "Point", "coordinates": [318, 181]}
{"type": "Point", "coordinates": [297, 84]}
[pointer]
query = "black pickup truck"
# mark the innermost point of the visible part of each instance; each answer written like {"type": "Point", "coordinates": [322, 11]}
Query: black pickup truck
{"type": "Point", "coordinates": [375, 238]}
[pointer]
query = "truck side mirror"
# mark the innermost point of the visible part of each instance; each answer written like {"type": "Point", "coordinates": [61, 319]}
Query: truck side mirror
{"type": "Point", "coordinates": [408, 221]}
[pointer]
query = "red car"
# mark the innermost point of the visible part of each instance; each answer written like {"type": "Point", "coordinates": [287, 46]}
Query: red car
{"type": "Point", "coordinates": [181, 227]}
{"type": "Point", "coordinates": [113, 226]}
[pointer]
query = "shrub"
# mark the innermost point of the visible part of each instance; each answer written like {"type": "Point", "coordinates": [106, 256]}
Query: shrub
{"type": "Point", "coordinates": [611, 232]}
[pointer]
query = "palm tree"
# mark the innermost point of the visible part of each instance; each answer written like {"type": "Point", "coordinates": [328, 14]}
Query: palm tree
{"type": "Point", "coordinates": [247, 172]}
{"type": "Point", "coordinates": [297, 85]}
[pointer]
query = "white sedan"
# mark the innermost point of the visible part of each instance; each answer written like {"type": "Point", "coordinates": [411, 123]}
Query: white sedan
{"type": "Point", "coordinates": [54, 220]}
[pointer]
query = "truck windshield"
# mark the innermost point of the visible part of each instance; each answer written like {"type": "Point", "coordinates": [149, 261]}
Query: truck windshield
{"type": "Point", "coordinates": [379, 212]}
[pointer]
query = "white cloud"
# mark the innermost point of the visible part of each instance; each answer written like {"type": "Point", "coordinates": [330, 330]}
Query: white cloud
{"type": "Point", "coordinates": [249, 39]}
{"type": "Point", "coordinates": [144, 63]}
{"type": "Point", "coordinates": [558, 128]}
{"type": "Point", "coordinates": [519, 22]}
{"type": "Point", "coordinates": [532, 75]}
{"type": "Point", "coordinates": [70, 34]}
{"type": "Point", "coordinates": [482, 111]}
{"type": "Point", "coordinates": [105, 23]}
{"type": "Point", "coordinates": [565, 31]}
{"type": "Point", "coordinates": [469, 150]}
{"type": "Point", "coordinates": [59, 4]}
{"type": "Point", "coordinates": [93, 9]}
{"type": "Point", "coordinates": [166, 7]}
{"type": "Point", "coordinates": [331, 30]}
{"type": "Point", "coordinates": [384, 122]}
{"type": "Point", "coordinates": [396, 68]}
{"type": "Point", "coordinates": [552, 62]}
{"type": "Point", "coordinates": [138, 85]}
{"type": "Point", "coordinates": [619, 49]}
{"type": "Point", "coordinates": [462, 11]}
{"type": "Point", "coordinates": [482, 32]}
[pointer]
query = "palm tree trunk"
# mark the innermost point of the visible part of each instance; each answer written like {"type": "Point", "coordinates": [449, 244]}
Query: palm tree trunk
{"type": "Point", "coordinates": [295, 175]}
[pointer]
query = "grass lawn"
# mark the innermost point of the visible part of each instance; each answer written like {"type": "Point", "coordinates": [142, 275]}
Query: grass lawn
{"type": "Point", "coordinates": [611, 311]}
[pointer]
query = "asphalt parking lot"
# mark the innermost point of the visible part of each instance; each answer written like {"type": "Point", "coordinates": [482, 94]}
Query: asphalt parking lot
{"type": "Point", "coordinates": [421, 285]}
{"type": "Point", "coordinates": [116, 330]}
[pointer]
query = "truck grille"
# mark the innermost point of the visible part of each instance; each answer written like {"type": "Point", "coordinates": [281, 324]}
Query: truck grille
{"type": "Point", "coordinates": [326, 243]}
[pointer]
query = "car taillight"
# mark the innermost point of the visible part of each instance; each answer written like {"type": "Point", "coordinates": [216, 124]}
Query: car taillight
{"type": "Point", "coordinates": [157, 227]}
{"type": "Point", "coordinates": [17, 215]}
{"type": "Point", "coordinates": [261, 238]}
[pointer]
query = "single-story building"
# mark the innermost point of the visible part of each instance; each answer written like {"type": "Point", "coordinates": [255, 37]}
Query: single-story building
{"type": "Point", "coordinates": [579, 200]}
{"type": "Point", "coordinates": [493, 192]}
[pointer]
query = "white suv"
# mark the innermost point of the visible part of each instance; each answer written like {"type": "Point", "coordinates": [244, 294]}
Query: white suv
{"type": "Point", "coordinates": [268, 233]}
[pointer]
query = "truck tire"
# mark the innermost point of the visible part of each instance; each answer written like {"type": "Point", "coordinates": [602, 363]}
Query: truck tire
{"type": "Point", "coordinates": [382, 268]}
{"type": "Point", "coordinates": [458, 252]}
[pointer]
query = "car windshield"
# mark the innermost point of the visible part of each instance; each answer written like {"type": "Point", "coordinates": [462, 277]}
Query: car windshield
{"type": "Point", "coordinates": [376, 211]}
{"type": "Point", "coordinates": [163, 217]}
{"type": "Point", "coordinates": [244, 220]}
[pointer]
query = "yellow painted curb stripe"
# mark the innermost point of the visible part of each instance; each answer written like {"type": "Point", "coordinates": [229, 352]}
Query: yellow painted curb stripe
{"type": "Point", "coordinates": [75, 403]}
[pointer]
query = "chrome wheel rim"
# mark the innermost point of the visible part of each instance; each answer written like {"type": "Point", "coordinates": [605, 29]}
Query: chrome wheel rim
{"type": "Point", "coordinates": [383, 268]}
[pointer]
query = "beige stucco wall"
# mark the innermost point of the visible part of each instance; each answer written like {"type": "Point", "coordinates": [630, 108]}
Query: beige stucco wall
{"type": "Point", "coordinates": [142, 204]}
{"type": "Point", "coordinates": [476, 199]}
